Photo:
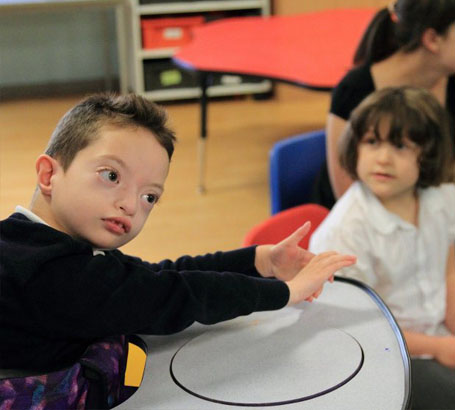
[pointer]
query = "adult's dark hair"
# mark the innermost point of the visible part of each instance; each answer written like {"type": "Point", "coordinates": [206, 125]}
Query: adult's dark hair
{"type": "Point", "coordinates": [81, 124]}
{"type": "Point", "coordinates": [401, 27]}
{"type": "Point", "coordinates": [413, 113]}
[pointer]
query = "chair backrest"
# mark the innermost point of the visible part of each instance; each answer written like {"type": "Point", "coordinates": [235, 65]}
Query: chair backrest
{"type": "Point", "coordinates": [294, 164]}
{"type": "Point", "coordinates": [282, 224]}
{"type": "Point", "coordinates": [107, 374]}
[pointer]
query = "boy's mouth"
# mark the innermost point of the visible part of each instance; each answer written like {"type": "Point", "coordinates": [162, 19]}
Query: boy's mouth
{"type": "Point", "coordinates": [117, 225]}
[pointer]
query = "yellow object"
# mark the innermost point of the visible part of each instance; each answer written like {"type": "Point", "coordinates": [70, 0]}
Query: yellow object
{"type": "Point", "coordinates": [170, 77]}
{"type": "Point", "coordinates": [135, 366]}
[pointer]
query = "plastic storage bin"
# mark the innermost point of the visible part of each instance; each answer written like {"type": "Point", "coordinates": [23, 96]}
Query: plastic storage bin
{"type": "Point", "coordinates": [168, 32]}
{"type": "Point", "coordinates": [165, 74]}
{"type": "Point", "coordinates": [234, 79]}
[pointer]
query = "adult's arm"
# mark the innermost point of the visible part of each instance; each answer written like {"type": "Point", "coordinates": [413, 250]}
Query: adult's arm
{"type": "Point", "coordinates": [339, 178]}
{"type": "Point", "coordinates": [450, 308]}
{"type": "Point", "coordinates": [442, 348]}
{"type": "Point", "coordinates": [347, 95]}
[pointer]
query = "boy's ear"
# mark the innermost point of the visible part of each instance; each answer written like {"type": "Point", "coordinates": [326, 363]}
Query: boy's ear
{"type": "Point", "coordinates": [431, 40]}
{"type": "Point", "coordinates": [46, 167]}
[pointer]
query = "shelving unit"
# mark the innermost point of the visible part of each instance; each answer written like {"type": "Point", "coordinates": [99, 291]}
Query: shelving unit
{"type": "Point", "coordinates": [148, 67]}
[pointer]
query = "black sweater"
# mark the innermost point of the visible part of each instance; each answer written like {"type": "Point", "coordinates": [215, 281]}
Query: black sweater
{"type": "Point", "coordinates": [56, 297]}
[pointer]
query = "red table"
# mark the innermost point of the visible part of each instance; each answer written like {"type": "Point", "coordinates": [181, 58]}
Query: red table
{"type": "Point", "coordinates": [312, 50]}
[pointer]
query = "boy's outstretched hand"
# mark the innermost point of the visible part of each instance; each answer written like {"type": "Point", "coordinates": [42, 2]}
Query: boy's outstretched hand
{"type": "Point", "coordinates": [303, 272]}
{"type": "Point", "coordinates": [285, 259]}
{"type": "Point", "coordinates": [309, 281]}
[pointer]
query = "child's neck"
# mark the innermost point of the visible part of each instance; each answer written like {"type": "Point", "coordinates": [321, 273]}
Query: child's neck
{"type": "Point", "coordinates": [40, 207]}
{"type": "Point", "coordinates": [406, 207]}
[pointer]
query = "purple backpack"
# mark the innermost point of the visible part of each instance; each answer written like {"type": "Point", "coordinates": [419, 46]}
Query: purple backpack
{"type": "Point", "coordinates": [97, 381]}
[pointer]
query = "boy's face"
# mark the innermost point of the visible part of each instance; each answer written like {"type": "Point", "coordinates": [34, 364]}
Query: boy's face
{"type": "Point", "coordinates": [108, 191]}
{"type": "Point", "coordinates": [390, 172]}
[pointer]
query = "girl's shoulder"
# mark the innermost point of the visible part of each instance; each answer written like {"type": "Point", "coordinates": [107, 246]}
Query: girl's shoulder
{"type": "Point", "coordinates": [351, 209]}
{"type": "Point", "coordinates": [347, 219]}
{"type": "Point", "coordinates": [438, 208]}
{"type": "Point", "coordinates": [439, 197]}
{"type": "Point", "coordinates": [445, 190]}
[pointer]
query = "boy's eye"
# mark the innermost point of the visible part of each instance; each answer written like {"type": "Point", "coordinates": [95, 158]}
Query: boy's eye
{"type": "Point", "coordinates": [151, 198]}
{"type": "Point", "coordinates": [109, 175]}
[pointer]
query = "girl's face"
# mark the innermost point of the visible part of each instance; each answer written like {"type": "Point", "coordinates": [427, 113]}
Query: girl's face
{"type": "Point", "coordinates": [391, 172]}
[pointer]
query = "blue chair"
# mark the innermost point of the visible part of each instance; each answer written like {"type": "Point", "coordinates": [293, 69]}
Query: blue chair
{"type": "Point", "coordinates": [294, 164]}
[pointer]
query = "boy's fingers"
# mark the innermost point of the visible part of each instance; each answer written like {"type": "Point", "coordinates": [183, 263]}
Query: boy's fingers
{"type": "Point", "coordinates": [299, 233]}
{"type": "Point", "coordinates": [341, 262]}
{"type": "Point", "coordinates": [323, 258]}
{"type": "Point", "coordinates": [325, 255]}
{"type": "Point", "coordinates": [329, 258]}
{"type": "Point", "coordinates": [330, 262]}
{"type": "Point", "coordinates": [317, 293]}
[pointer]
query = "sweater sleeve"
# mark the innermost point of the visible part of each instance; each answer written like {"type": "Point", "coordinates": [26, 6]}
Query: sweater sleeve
{"type": "Point", "coordinates": [94, 296]}
{"type": "Point", "coordinates": [239, 260]}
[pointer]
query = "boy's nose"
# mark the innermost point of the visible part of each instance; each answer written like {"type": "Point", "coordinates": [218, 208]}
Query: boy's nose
{"type": "Point", "coordinates": [128, 204]}
{"type": "Point", "coordinates": [128, 208]}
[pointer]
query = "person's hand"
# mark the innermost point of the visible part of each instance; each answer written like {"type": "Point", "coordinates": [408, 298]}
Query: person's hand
{"type": "Point", "coordinates": [285, 259]}
{"type": "Point", "coordinates": [309, 281]}
{"type": "Point", "coordinates": [316, 294]}
{"type": "Point", "coordinates": [445, 353]}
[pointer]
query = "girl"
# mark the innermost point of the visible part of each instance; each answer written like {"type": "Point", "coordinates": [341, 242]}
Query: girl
{"type": "Point", "coordinates": [412, 42]}
{"type": "Point", "coordinates": [399, 219]}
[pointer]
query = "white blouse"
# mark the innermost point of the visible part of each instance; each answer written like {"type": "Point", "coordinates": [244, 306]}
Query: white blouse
{"type": "Point", "coordinates": [404, 264]}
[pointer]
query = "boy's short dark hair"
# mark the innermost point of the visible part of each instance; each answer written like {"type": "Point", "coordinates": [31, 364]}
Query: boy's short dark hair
{"type": "Point", "coordinates": [81, 124]}
{"type": "Point", "coordinates": [414, 113]}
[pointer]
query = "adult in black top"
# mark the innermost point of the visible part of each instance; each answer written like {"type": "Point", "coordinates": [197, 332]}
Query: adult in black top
{"type": "Point", "coordinates": [410, 43]}
{"type": "Point", "coordinates": [358, 83]}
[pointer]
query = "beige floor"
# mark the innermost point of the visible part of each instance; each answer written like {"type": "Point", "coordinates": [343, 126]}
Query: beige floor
{"type": "Point", "coordinates": [241, 133]}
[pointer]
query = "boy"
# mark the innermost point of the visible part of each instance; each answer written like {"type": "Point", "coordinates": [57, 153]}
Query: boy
{"type": "Point", "coordinates": [63, 283]}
